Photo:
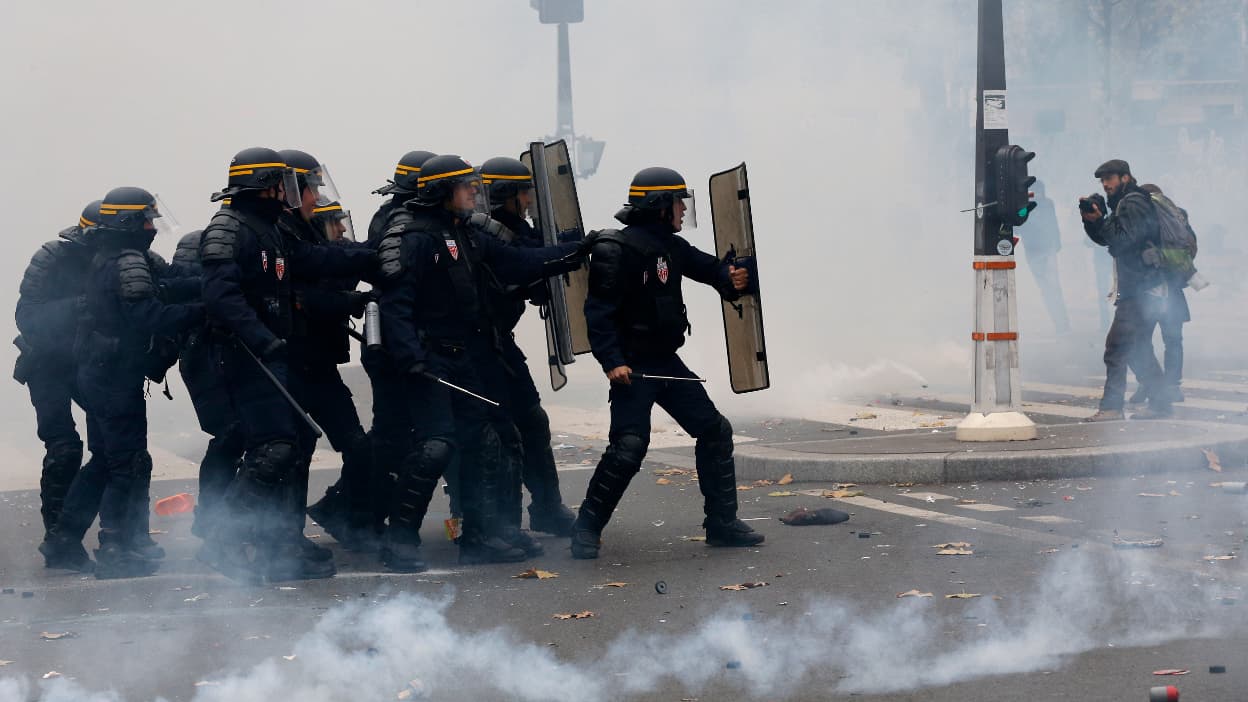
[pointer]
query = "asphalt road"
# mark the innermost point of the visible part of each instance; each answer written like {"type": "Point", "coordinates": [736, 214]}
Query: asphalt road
{"type": "Point", "coordinates": [1061, 613]}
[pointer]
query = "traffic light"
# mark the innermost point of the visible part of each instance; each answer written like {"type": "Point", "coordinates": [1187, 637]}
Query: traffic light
{"type": "Point", "coordinates": [1014, 201]}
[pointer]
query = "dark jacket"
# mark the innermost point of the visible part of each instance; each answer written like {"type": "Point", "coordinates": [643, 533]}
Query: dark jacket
{"type": "Point", "coordinates": [49, 298]}
{"type": "Point", "coordinates": [509, 301]}
{"type": "Point", "coordinates": [440, 277]}
{"type": "Point", "coordinates": [1127, 232]}
{"type": "Point", "coordinates": [323, 305]}
{"type": "Point", "coordinates": [635, 308]}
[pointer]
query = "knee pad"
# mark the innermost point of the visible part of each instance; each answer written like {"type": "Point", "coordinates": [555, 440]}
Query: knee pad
{"type": "Point", "coordinates": [271, 463]}
{"type": "Point", "coordinates": [435, 452]}
{"type": "Point", "coordinates": [717, 442]}
{"type": "Point", "coordinates": [629, 450]}
{"type": "Point", "coordinates": [534, 421]}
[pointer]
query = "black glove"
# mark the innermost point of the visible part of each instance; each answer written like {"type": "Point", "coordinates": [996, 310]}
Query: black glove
{"type": "Point", "coordinates": [274, 351]}
{"type": "Point", "coordinates": [357, 300]}
{"type": "Point", "coordinates": [587, 243]}
{"type": "Point", "coordinates": [432, 367]}
{"type": "Point", "coordinates": [570, 236]}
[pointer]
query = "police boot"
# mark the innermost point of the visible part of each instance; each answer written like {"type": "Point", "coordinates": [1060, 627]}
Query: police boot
{"type": "Point", "coordinates": [288, 559]}
{"type": "Point", "coordinates": [729, 531]}
{"type": "Point", "coordinates": [547, 512]}
{"type": "Point", "coordinates": [551, 518]}
{"type": "Point", "coordinates": [477, 549]}
{"type": "Point", "coordinates": [585, 542]}
{"type": "Point", "coordinates": [524, 541]}
{"type": "Point", "coordinates": [620, 462]}
{"type": "Point", "coordinates": [115, 559]}
{"type": "Point", "coordinates": [400, 552]}
{"type": "Point", "coordinates": [60, 465]}
{"type": "Point", "coordinates": [63, 553]}
{"type": "Point", "coordinates": [361, 535]}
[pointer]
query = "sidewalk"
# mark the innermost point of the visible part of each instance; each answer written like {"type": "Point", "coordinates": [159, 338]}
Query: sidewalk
{"type": "Point", "coordinates": [1061, 451]}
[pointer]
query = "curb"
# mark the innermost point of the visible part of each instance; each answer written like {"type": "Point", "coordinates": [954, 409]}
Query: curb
{"type": "Point", "coordinates": [770, 461]}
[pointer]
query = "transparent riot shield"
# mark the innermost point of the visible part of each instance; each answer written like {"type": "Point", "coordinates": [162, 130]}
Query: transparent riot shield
{"type": "Point", "coordinates": [558, 210]}
{"type": "Point", "coordinates": [743, 319]}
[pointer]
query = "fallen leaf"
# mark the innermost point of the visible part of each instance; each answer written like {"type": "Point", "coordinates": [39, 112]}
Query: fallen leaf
{"type": "Point", "coordinates": [838, 494]}
{"type": "Point", "coordinates": [954, 552]}
{"type": "Point", "coordinates": [953, 544]}
{"type": "Point", "coordinates": [53, 636]}
{"type": "Point", "coordinates": [902, 485]}
{"type": "Point", "coordinates": [962, 596]}
{"type": "Point", "coordinates": [866, 415]}
{"type": "Point", "coordinates": [1214, 464]}
{"type": "Point", "coordinates": [1171, 671]}
{"type": "Point", "coordinates": [966, 501]}
{"type": "Point", "coordinates": [743, 488]}
{"type": "Point", "coordinates": [535, 574]}
{"type": "Point", "coordinates": [662, 481]}
{"type": "Point", "coordinates": [844, 486]}
{"type": "Point", "coordinates": [762, 483]}
{"type": "Point", "coordinates": [914, 593]}
{"type": "Point", "coordinates": [611, 585]}
{"type": "Point", "coordinates": [1226, 557]}
{"type": "Point", "coordinates": [743, 586]}
{"type": "Point", "coordinates": [575, 615]}
{"type": "Point", "coordinates": [1175, 493]}
{"type": "Point", "coordinates": [694, 538]}
{"type": "Point", "coordinates": [782, 493]}
{"type": "Point", "coordinates": [812, 493]}
{"type": "Point", "coordinates": [51, 674]}
{"type": "Point", "coordinates": [788, 478]}
{"type": "Point", "coordinates": [672, 471]}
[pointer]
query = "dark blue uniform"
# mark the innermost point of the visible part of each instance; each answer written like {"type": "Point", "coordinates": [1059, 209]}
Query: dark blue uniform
{"type": "Point", "coordinates": [523, 402]}
{"type": "Point", "coordinates": [248, 268]}
{"type": "Point", "coordinates": [125, 312]}
{"type": "Point", "coordinates": [47, 318]}
{"type": "Point", "coordinates": [436, 319]}
{"type": "Point", "coordinates": [636, 316]}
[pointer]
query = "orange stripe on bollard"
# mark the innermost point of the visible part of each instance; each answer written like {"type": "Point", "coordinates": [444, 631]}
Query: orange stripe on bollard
{"type": "Point", "coordinates": [994, 336]}
{"type": "Point", "coordinates": [993, 265]}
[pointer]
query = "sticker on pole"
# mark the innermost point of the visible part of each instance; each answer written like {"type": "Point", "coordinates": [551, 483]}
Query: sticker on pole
{"type": "Point", "coordinates": [994, 110]}
{"type": "Point", "coordinates": [1005, 247]}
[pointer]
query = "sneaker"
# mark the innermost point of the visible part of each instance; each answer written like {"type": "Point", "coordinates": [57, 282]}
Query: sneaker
{"type": "Point", "coordinates": [524, 541]}
{"type": "Point", "coordinates": [66, 556]}
{"type": "Point", "coordinates": [1140, 396]}
{"type": "Point", "coordinates": [1106, 416]}
{"type": "Point", "coordinates": [477, 550]}
{"type": "Point", "coordinates": [586, 543]}
{"type": "Point", "coordinates": [555, 519]}
{"type": "Point", "coordinates": [402, 558]}
{"type": "Point", "coordinates": [730, 533]}
{"type": "Point", "coordinates": [1150, 413]}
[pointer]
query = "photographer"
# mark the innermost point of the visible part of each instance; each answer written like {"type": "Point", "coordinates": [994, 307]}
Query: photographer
{"type": "Point", "coordinates": [1129, 231]}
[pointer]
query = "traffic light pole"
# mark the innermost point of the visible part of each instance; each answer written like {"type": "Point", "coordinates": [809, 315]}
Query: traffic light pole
{"type": "Point", "coordinates": [996, 411]}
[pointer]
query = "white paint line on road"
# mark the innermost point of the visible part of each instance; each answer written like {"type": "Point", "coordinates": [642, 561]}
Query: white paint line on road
{"type": "Point", "coordinates": [1187, 567]}
{"type": "Point", "coordinates": [1035, 407]}
{"type": "Point", "coordinates": [923, 496]}
{"type": "Point", "coordinates": [986, 508]}
{"type": "Point", "coordinates": [1050, 519]}
{"type": "Point", "coordinates": [1081, 391]}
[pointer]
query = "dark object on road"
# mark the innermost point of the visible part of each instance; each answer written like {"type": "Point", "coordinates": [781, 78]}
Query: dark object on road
{"type": "Point", "coordinates": [1217, 669]}
{"type": "Point", "coordinates": [864, 534]}
{"type": "Point", "coordinates": [1033, 502]}
{"type": "Point", "coordinates": [807, 517]}
{"type": "Point", "coordinates": [660, 587]}
{"type": "Point", "coordinates": [733, 665]}
{"type": "Point", "coordinates": [1169, 693]}
{"type": "Point", "coordinates": [27, 595]}
{"type": "Point", "coordinates": [7, 591]}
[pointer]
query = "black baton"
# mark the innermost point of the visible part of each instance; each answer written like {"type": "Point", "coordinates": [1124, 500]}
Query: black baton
{"type": "Point", "coordinates": [316, 429]}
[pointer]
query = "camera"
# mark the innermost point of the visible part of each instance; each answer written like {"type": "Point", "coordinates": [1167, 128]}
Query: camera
{"type": "Point", "coordinates": [1085, 205]}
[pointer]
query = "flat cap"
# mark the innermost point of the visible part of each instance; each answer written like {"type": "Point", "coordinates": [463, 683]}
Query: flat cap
{"type": "Point", "coordinates": [1114, 166]}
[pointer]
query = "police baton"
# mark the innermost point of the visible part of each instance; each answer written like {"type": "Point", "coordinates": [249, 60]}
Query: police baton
{"type": "Point", "coordinates": [646, 376]}
{"type": "Point", "coordinates": [453, 386]}
{"type": "Point", "coordinates": [316, 429]}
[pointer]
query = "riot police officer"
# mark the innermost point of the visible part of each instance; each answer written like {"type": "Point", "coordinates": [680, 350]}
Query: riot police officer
{"type": "Point", "coordinates": [200, 374]}
{"type": "Point", "coordinates": [319, 342]}
{"type": "Point", "coordinates": [247, 266]}
{"type": "Point", "coordinates": [438, 331]}
{"type": "Point", "coordinates": [124, 311]}
{"type": "Point", "coordinates": [47, 315]}
{"type": "Point", "coordinates": [637, 320]}
{"type": "Point", "coordinates": [509, 185]}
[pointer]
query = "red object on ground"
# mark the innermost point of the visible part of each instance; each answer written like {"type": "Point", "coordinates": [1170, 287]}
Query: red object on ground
{"type": "Point", "coordinates": [1169, 693]}
{"type": "Point", "coordinates": [175, 504]}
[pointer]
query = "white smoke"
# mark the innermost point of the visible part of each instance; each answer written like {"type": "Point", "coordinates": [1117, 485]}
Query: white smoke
{"type": "Point", "coordinates": [409, 645]}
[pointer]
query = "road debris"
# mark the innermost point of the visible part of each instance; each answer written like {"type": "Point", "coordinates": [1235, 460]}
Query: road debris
{"type": "Point", "coordinates": [662, 481]}
{"type": "Point", "coordinates": [1224, 557]}
{"type": "Point", "coordinates": [535, 574]}
{"type": "Point", "coordinates": [743, 586]}
{"type": "Point", "coordinates": [415, 690]}
{"type": "Point", "coordinates": [806, 517]}
{"type": "Point", "coordinates": [671, 471]}
{"type": "Point", "coordinates": [1172, 671]}
{"type": "Point", "coordinates": [1217, 669]}
{"type": "Point", "coordinates": [57, 635]}
{"type": "Point", "coordinates": [733, 665]}
{"type": "Point", "coordinates": [201, 596]}
{"type": "Point", "coordinates": [4, 663]}
{"type": "Point", "coordinates": [788, 478]}
{"type": "Point", "coordinates": [51, 674]}
{"type": "Point", "coordinates": [1122, 543]}
{"type": "Point", "coordinates": [1169, 693]}
{"type": "Point", "coordinates": [290, 657]}
{"type": "Point", "coordinates": [1151, 494]}
{"type": "Point", "coordinates": [962, 596]}
{"type": "Point", "coordinates": [694, 538]}
{"type": "Point", "coordinates": [913, 593]}
{"type": "Point", "coordinates": [206, 683]}
{"type": "Point", "coordinates": [604, 585]}
{"type": "Point", "coordinates": [175, 504]}
{"type": "Point", "coordinates": [1215, 464]}
{"type": "Point", "coordinates": [660, 587]}
{"type": "Point", "coordinates": [782, 493]}
{"type": "Point", "coordinates": [955, 552]}
{"type": "Point", "coordinates": [575, 615]}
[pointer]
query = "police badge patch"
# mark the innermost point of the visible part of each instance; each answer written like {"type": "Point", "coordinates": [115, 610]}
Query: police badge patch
{"type": "Point", "coordinates": [279, 266]}
{"type": "Point", "coordinates": [452, 248]}
{"type": "Point", "coordinates": [661, 270]}
{"type": "Point", "coordinates": [264, 261]}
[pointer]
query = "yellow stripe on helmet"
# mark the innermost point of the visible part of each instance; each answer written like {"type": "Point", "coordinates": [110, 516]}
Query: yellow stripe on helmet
{"type": "Point", "coordinates": [438, 176]}
{"type": "Point", "coordinates": [657, 187]}
{"type": "Point", "coordinates": [506, 177]}
{"type": "Point", "coordinates": [255, 165]}
{"type": "Point", "coordinates": [327, 208]}
{"type": "Point", "coordinates": [114, 208]}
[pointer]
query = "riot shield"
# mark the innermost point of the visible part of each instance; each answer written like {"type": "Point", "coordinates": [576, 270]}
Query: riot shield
{"type": "Point", "coordinates": [743, 319]}
{"type": "Point", "coordinates": [558, 210]}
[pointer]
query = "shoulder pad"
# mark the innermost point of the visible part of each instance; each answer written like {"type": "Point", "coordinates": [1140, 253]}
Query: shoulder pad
{"type": "Point", "coordinates": [135, 275]}
{"type": "Point", "coordinates": [491, 226]}
{"type": "Point", "coordinates": [390, 257]}
{"type": "Point", "coordinates": [156, 261]}
{"type": "Point", "coordinates": [188, 248]}
{"type": "Point", "coordinates": [398, 221]}
{"type": "Point", "coordinates": [41, 266]}
{"type": "Point", "coordinates": [219, 238]}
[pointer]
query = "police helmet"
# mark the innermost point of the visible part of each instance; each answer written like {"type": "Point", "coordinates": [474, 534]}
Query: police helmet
{"type": "Point", "coordinates": [405, 174]}
{"type": "Point", "coordinates": [90, 215]}
{"type": "Point", "coordinates": [334, 221]}
{"type": "Point", "coordinates": [311, 173]}
{"type": "Point", "coordinates": [252, 170]}
{"type": "Point", "coordinates": [127, 209]}
{"type": "Point", "coordinates": [504, 177]}
{"type": "Point", "coordinates": [656, 188]}
{"type": "Point", "coordinates": [439, 176]}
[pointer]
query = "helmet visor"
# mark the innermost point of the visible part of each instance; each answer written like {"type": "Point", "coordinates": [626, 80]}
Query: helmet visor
{"type": "Point", "coordinates": [162, 217]}
{"type": "Point", "coordinates": [336, 223]}
{"type": "Point", "coordinates": [689, 220]}
{"type": "Point", "coordinates": [291, 194]}
{"type": "Point", "coordinates": [323, 185]}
